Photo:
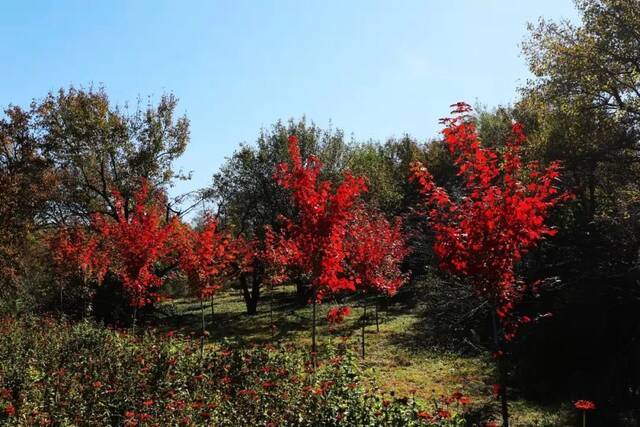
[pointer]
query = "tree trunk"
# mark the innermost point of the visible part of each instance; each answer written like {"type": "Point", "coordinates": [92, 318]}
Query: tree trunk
{"type": "Point", "coordinates": [250, 296]}
{"type": "Point", "coordinates": [364, 323]}
{"type": "Point", "coordinates": [377, 322]}
{"type": "Point", "coordinates": [203, 328]}
{"type": "Point", "coordinates": [272, 325]}
{"type": "Point", "coordinates": [303, 292]}
{"type": "Point", "coordinates": [133, 322]}
{"type": "Point", "coordinates": [314, 348]}
{"type": "Point", "coordinates": [501, 373]}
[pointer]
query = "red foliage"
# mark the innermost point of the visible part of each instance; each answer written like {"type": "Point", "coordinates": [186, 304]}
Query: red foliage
{"type": "Point", "coordinates": [585, 405]}
{"type": "Point", "coordinates": [76, 251]}
{"type": "Point", "coordinates": [483, 235]}
{"type": "Point", "coordinates": [137, 241]}
{"type": "Point", "coordinates": [425, 416]}
{"type": "Point", "coordinates": [337, 314]}
{"type": "Point", "coordinates": [10, 410]}
{"type": "Point", "coordinates": [376, 248]}
{"type": "Point", "coordinates": [245, 253]}
{"type": "Point", "coordinates": [206, 256]}
{"type": "Point", "coordinates": [277, 254]}
{"type": "Point", "coordinates": [315, 238]}
{"type": "Point", "coordinates": [130, 246]}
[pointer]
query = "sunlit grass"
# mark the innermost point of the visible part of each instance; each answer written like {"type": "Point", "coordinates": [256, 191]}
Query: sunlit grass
{"type": "Point", "coordinates": [396, 358]}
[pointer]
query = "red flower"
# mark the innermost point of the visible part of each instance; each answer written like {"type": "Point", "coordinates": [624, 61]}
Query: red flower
{"type": "Point", "coordinates": [337, 314]}
{"type": "Point", "coordinates": [585, 405]}
{"type": "Point", "coordinates": [425, 416]}
{"type": "Point", "coordinates": [97, 384]}
{"type": "Point", "coordinates": [267, 385]}
{"type": "Point", "coordinates": [444, 414]}
{"type": "Point", "coordinates": [10, 410]}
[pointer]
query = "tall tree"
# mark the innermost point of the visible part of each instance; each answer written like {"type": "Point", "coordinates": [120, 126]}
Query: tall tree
{"type": "Point", "coordinates": [581, 107]}
{"type": "Point", "coordinates": [483, 235]}
{"type": "Point", "coordinates": [249, 199]}
{"type": "Point", "coordinates": [386, 167]}
{"type": "Point", "coordinates": [97, 147]}
{"type": "Point", "coordinates": [205, 256]}
{"type": "Point", "coordinates": [319, 227]}
{"type": "Point", "coordinates": [26, 182]}
{"type": "Point", "coordinates": [376, 248]}
{"type": "Point", "coordinates": [244, 189]}
{"type": "Point", "coordinates": [137, 248]}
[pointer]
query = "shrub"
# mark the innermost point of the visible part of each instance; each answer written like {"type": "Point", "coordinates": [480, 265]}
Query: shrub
{"type": "Point", "coordinates": [56, 373]}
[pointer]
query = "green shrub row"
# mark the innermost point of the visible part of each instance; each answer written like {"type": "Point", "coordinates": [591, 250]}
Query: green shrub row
{"type": "Point", "coordinates": [53, 372]}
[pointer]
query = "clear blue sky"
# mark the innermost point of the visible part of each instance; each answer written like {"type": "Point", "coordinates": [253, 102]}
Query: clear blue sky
{"type": "Point", "coordinates": [373, 68]}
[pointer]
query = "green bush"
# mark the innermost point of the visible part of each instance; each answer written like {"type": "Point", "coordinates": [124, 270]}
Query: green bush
{"type": "Point", "coordinates": [56, 373]}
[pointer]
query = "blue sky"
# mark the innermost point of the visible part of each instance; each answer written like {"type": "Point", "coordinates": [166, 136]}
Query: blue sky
{"type": "Point", "coordinates": [372, 68]}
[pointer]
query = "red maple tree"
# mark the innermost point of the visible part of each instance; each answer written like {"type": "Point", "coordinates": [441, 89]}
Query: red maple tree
{"type": "Point", "coordinates": [137, 241]}
{"type": "Point", "coordinates": [278, 253]}
{"type": "Point", "coordinates": [319, 228]}
{"type": "Point", "coordinates": [74, 251]}
{"type": "Point", "coordinates": [205, 256]}
{"type": "Point", "coordinates": [376, 248]}
{"type": "Point", "coordinates": [315, 238]}
{"type": "Point", "coordinates": [483, 235]}
{"type": "Point", "coordinates": [131, 244]}
{"type": "Point", "coordinates": [77, 254]}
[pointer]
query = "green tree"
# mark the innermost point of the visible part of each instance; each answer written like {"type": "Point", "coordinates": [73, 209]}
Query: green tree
{"type": "Point", "coordinates": [26, 179]}
{"type": "Point", "coordinates": [60, 160]}
{"type": "Point", "coordinates": [247, 197]}
{"type": "Point", "coordinates": [97, 147]}
{"type": "Point", "coordinates": [386, 168]}
{"type": "Point", "coordinates": [582, 108]}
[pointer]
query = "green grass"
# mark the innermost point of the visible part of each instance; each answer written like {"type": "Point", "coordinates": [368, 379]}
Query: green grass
{"type": "Point", "coordinates": [398, 357]}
